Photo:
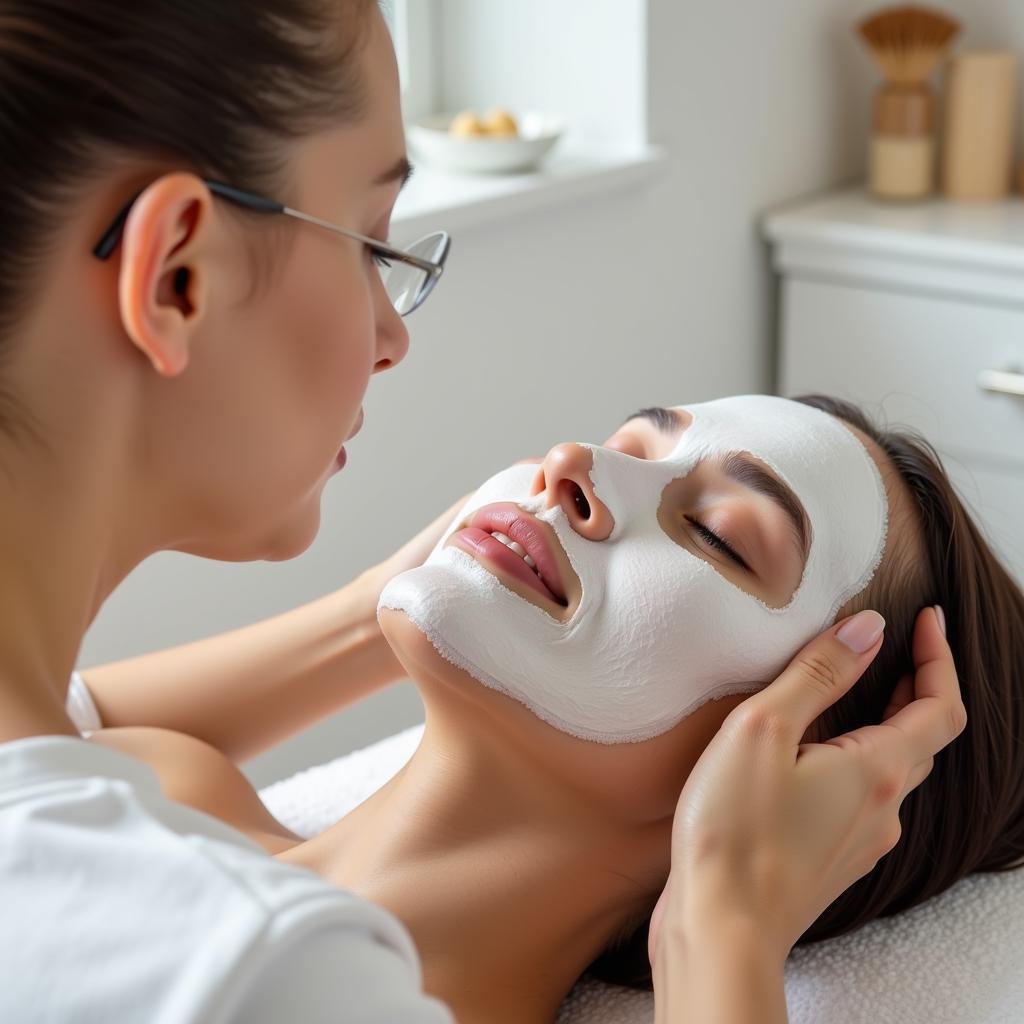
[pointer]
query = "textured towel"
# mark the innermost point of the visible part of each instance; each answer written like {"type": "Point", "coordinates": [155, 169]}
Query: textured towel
{"type": "Point", "coordinates": [956, 959]}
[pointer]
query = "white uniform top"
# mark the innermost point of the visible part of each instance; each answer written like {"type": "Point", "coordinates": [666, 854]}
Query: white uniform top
{"type": "Point", "coordinates": [120, 905]}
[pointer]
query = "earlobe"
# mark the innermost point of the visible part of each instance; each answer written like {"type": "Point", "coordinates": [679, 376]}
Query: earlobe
{"type": "Point", "coordinates": [161, 264]}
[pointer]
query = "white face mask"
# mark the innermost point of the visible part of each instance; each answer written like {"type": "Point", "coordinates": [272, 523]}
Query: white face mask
{"type": "Point", "coordinates": [658, 630]}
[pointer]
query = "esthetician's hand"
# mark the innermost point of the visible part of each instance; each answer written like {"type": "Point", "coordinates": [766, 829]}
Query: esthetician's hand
{"type": "Point", "coordinates": [769, 830]}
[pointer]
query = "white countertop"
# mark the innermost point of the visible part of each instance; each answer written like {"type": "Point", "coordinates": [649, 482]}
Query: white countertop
{"type": "Point", "coordinates": [963, 249]}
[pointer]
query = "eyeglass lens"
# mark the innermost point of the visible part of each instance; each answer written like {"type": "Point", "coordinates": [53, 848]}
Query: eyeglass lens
{"type": "Point", "coordinates": [407, 286]}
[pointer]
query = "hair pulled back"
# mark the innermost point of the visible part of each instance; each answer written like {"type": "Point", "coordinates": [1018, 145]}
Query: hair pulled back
{"type": "Point", "coordinates": [87, 86]}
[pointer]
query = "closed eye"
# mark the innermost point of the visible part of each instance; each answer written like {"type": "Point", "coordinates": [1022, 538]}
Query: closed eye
{"type": "Point", "coordinates": [379, 258]}
{"type": "Point", "coordinates": [716, 542]}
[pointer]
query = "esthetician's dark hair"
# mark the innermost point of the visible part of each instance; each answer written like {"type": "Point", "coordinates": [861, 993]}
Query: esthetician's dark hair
{"type": "Point", "coordinates": [968, 814]}
{"type": "Point", "coordinates": [92, 86]}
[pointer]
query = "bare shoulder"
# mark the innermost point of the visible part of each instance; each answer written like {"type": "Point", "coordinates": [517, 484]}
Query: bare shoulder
{"type": "Point", "coordinates": [195, 773]}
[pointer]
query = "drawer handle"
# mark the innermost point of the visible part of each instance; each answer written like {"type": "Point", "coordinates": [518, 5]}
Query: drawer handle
{"type": "Point", "coordinates": [1005, 382]}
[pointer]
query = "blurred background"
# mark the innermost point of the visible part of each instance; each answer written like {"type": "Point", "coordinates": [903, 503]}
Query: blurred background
{"type": "Point", "coordinates": [702, 228]}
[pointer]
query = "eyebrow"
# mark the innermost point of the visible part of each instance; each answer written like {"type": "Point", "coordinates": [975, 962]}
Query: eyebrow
{"type": "Point", "coordinates": [738, 467]}
{"type": "Point", "coordinates": [400, 171]}
{"type": "Point", "coordinates": [665, 420]}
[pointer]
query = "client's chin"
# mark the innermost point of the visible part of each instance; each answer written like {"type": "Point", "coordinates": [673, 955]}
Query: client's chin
{"type": "Point", "coordinates": [413, 649]}
{"type": "Point", "coordinates": [453, 698]}
{"type": "Point", "coordinates": [438, 679]}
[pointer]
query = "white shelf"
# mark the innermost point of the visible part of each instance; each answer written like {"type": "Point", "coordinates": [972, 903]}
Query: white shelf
{"type": "Point", "coordinates": [935, 246]}
{"type": "Point", "coordinates": [436, 199]}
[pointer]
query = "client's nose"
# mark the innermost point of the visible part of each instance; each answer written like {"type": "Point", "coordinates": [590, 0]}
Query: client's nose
{"type": "Point", "coordinates": [564, 475]}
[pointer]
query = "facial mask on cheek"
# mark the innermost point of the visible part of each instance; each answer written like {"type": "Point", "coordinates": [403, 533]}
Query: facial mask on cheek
{"type": "Point", "coordinates": [659, 631]}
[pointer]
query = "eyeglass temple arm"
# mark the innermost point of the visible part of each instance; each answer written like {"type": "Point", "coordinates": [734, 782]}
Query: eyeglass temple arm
{"type": "Point", "coordinates": [105, 246]}
{"type": "Point", "coordinates": [261, 204]}
{"type": "Point", "coordinates": [434, 269]}
{"type": "Point", "coordinates": [264, 205]}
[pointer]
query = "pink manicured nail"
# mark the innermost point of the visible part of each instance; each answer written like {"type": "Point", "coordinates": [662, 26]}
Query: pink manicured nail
{"type": "Point", "coordinates": [862, 631]}
{"type": "Point", "coordinates": [941, 616]}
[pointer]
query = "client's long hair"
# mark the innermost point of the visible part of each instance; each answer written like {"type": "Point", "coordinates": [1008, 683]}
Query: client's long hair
{"type": "Point", "coordinates": [968, 814]}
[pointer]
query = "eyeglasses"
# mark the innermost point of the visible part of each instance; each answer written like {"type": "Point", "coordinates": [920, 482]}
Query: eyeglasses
{"type": "Point", "coordinates": [409, 275]}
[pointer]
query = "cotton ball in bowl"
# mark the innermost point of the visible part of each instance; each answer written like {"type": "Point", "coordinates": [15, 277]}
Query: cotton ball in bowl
{"type": "Point", "coordinates": [497, 142]}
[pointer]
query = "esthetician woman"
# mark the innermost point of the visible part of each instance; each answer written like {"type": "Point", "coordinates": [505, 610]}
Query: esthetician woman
{"type": "Point", "coordinates": [181, 357]}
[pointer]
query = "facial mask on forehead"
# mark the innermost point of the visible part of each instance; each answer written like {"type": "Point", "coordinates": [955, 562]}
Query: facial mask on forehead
{"type": "Point", "coordinates": [659, 630]}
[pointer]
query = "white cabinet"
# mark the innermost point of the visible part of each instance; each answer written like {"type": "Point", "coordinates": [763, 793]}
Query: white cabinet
{"type": "Point", "coordinates": [916, 313]}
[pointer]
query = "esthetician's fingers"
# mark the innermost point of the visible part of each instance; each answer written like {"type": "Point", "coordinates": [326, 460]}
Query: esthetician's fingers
{"type": "Point", "coordinates": [911, 737]}
{"type": "Point", "coordinates": [917, 775]}
{"type": "Point", "coordinates": [654, 930]}
{"type": "Point", "coordinates": [901, 697]}
{"type": "Point", "coordinates": [774, 828]}
{"type": "Point", "coordinates": [937, 715]}
{"type": "Point", "coordinates": [769, 827]}
{"type": "Point", "coordinates": [824, 670]}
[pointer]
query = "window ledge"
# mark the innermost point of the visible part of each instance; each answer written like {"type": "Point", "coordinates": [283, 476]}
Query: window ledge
{"type": "Point", "coordinates": [436, 199]}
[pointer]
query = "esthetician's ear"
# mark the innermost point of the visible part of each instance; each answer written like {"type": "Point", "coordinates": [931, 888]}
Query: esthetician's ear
{"type": "Point", "coordinates": [163, 283]}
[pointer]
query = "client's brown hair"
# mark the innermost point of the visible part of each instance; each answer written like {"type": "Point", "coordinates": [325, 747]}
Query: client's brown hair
{"type": "Point", "coordinates": [968, 814]}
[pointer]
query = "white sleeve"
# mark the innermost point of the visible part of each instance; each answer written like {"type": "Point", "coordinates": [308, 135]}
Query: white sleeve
{"type": "Point", "coordinates": [81, 708]}
{"type": "Point", "coordinates": [336, 976]}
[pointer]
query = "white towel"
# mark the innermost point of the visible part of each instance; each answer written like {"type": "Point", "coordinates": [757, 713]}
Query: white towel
{"type": "Point", "coordinates": [956, 959]}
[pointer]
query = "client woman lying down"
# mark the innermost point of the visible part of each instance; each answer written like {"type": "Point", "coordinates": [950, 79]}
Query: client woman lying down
{"type": "Point", "coordinates": [578, 636]}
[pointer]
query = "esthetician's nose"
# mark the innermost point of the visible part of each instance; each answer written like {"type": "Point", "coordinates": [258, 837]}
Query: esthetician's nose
{"type": "Point", "coordinates": [564, 476]}
{"type": "Point", "coordinates": [392, 334]}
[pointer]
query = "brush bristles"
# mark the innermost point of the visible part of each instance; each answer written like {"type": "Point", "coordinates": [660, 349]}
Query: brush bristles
{"type": "Point", "coordinates": [907, 42]}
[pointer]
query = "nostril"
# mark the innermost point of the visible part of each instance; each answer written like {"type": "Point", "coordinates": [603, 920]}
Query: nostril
{"type": "Point", "coordinates": [578, 497]}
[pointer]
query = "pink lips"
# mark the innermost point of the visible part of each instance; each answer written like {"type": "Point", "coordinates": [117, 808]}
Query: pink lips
{"type": "Point", "coordinates": [497, 556]}
{"type": "Point", "coordinates": [507, 518]}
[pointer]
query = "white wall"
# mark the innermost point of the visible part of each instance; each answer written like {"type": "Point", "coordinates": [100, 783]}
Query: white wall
{"type": "Point", "coordinates": [559, 325]}
{"type": "Point", "coordinates": [585, 62]}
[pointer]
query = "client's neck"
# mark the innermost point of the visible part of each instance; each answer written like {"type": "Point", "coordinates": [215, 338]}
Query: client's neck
{"type": "Point", "coordinates": [509, 882]}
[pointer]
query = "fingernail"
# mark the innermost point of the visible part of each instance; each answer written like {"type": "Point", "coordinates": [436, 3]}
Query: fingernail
{"type": "Point", "coordinates": [862, 631]}
{"type": "Point", "coordinates": [941, 616]}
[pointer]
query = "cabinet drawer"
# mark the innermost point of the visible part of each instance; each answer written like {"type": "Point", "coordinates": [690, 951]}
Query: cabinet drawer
{"type": "Point", "coordinates": [915, 359]}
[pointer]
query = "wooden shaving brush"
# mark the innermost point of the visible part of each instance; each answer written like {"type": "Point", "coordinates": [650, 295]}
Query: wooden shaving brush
{"type": "Point", "coordinates": [906, 43]}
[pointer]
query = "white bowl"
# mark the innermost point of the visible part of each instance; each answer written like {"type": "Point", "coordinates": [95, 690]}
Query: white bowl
{"type": "Point", "coordinates": [431, 142]}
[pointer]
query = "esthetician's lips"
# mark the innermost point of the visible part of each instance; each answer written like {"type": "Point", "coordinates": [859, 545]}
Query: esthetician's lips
{"type": "Point", "coordinates": [536, 538]}
{"type": "Point", "coordinates": [359, 426]}
{"type": "Point", "coordinates": [342, 457]}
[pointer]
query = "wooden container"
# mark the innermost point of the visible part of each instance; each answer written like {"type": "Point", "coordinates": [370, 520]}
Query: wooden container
{"type": "Point", "coordinates": [907, 43]}
{"type": "Point", "coordinates": [980, 107]}
{"type": "Point", "coordinates": [901, 159]}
